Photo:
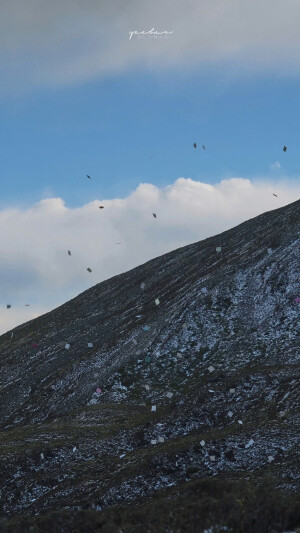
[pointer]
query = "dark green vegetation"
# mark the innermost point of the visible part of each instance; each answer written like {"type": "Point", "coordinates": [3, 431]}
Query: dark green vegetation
{"type": "Point", "coordinates": [190, 508]}
{"type": "Point", "coordinates": [221, 451]}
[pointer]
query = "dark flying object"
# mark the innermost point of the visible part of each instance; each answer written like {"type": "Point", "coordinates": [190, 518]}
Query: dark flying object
{"type": "Point", "coordinates": [101, 206]}
{"type": "Point", "coordinates": [154, 214]}
{"type": "Point", "coordinates": [275, 195]}
{"type": "Point", "coordinates": [88, 177]}
{"type": "Point", "coordinates": [284, 148]}
{"type": "Point", "coordinates": [89, 269]}
{"type": "Point", "coordinates": [195, 145]}
{"type": "Point", "coordinates": [69, 253]}
{"type": "Point", "coordinates": [203, 147]}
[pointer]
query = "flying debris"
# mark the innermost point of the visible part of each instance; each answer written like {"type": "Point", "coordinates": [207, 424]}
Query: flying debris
{"type": "Point", "coordinates": [204, 148]}
{"type": "Point", "coordinates": [101, 206]}
{"type": "Point", "coordinates": [8, 306]}
{"type": "Point", "coordinates": [88, 177]}
{"type": "Point", "coordinates": [89, 269]}
{"type": "Point", "coordinates": [284, 148]}
{"type": "Point", "coordinates": [195, 145]}
{"type": "Point", "coordinates": [154, 215]}
{"type": "Point", "coordinates": [275, 194]}
{"type": "Point", "coordinates": [69, 253]}
{"type": "Point", "coordinates": [27, 305]}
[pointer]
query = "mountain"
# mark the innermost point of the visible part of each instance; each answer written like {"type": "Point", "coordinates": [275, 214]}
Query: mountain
{"type": "Point", "coordinates": [196, 427]}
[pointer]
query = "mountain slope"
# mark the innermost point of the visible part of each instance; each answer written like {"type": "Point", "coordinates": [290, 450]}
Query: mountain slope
{"type": "Point", "coordinates": [219, 359]}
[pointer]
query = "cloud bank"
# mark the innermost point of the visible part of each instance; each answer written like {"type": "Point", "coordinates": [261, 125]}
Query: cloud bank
{"type": "Point", "coordinates": [71, 41]}
{"type": "Point", "coordinates": [35, 267]}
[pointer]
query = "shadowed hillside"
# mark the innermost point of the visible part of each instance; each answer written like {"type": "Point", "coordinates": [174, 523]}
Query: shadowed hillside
{"type": "Point", "coordinates": [199, 401]}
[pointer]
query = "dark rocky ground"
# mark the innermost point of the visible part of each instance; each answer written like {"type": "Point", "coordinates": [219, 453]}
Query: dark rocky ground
{"type": "Point", "coordinates": [221, 452]}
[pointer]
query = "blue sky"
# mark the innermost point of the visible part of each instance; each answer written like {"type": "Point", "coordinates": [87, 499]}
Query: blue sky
{"type": "Point", "coordinates": [110, 128]}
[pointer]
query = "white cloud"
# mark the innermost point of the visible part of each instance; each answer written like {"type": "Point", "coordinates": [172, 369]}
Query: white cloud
{"type": "Point", "coordinates": [70, 41]}
{"type": "Point", "coordinates": [35, 267]}
{"type": "Point", "coordinates": [276, 165]}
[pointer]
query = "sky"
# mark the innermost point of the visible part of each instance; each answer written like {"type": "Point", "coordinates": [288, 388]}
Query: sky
{"type": "Point", "coordinates": [78, 96]}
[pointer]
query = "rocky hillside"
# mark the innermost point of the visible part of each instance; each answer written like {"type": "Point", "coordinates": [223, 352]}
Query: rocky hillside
{"type": "Point", "coordinates": [183, 371]}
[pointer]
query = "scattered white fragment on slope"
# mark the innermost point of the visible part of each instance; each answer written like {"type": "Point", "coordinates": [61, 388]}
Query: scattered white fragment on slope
{"type": "Point", "coordinates": [212, 457]}
{"type": "Point", "coordinates": [147, 387]}
{"type": "Point", "coordinates": [219, 248]}
{"type": "Point", "coordinates": [230, 414]}
{"type": "Point", "coordinates": [232, 391]}
{"type": "Point", "coordinates": [179, 355]}
{"type": "Point", "coordinates": [161, 439]}
{"type": "Point", "coordinates": [67, 346]}
{"type": "Point", "coordinates": [12, 335]}
{"type": "Point", "coordinates": [204, 290]}
{"type": "Point", "coordinates": [142, 285]}
{"type": "Point", "coordinates": [153, 408]}
{"type": "Point", "coordinates": [153, 441]}
{"type": "Point", "coordinates": [250, 443]}
{"type": "Point", "coordinates": [211, 368]}
{"type": "Point", "coordinates": [74, 449]}
{"type": "Point", "coordinates": [123, 455]}
{"type": "Point", "coordinates": [270, 458]}
{"type": "Point", "coordinates": [157, 301]}
{"type": "Point", "coordinates": [240, 422]}
{"type": "Point", "coordinates": [169, 394]}
{"type": "Point", "coordinates": [90, 344]}
{"type": "Point", "coordinates": [134, 341]}
{"type": "Point", "coordinates": [42, 456]}
{"type": "Point", "coordinates": [202, 442]}
{"type": "Point", "coordinates": [270, 251]}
